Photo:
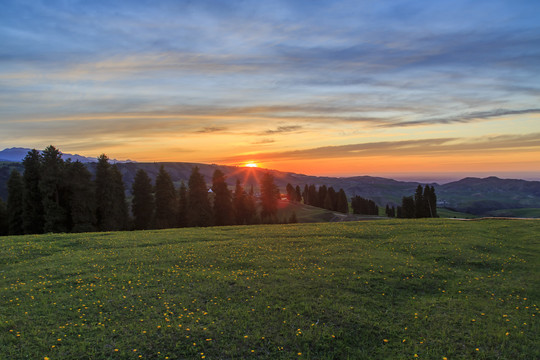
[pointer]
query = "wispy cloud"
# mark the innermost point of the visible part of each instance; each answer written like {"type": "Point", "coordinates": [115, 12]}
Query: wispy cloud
{"type": "Point", "coordinates": [283, 129]}
{"type": "Point", "coordinates": [424, 147]}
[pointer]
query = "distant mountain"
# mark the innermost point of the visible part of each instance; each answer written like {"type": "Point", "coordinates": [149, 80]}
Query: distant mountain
{"type": "Point", "coordinates": [471, 195]}
{"type": "Point", "coordinates": [17, 154]}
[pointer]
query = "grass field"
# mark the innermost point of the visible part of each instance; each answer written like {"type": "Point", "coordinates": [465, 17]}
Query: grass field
{"type": "Point", "coordinates": [385, 289]}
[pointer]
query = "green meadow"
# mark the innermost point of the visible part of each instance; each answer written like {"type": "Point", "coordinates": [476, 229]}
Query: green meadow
{"type": "Point", "coordinates": [385, 289]}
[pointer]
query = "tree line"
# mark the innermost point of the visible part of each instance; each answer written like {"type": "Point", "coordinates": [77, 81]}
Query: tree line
{"type": "Point", "coordinates": [53, 195]}
{"type": "Point", "coordinates": [423, 204]}
{"type": "Point", "coordinates": [324, 197]}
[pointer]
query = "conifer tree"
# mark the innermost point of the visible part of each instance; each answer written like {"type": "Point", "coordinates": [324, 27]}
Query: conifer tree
{"type": "Point", "coordinates": [298, 194]}
{"type": "Point", "coordinates": [240, 204]}
{"type": "Point", "coordinates": [53, 191]}
{"type": "Point", "coordinates": [81, 198]}
{"type": "Point", "coordinates": [408, 207]}
{"type": "Point", "coordinates": [166, 202]}
{"type": "Point", "coordinates": [111, 207]}
{"type": "Point", "coordinates": [269, 198]}
{"type": "Point", "coordinates": [419, 208]}
{"type": "Point", "coordinates": [252, 216]}
{"type": "Point", "coordinates": [199, 210]}
{"type": "Point", "coordinates": [142, 205]}
{"type": "Point", "coordinates": [182, 206]}
{"type": "Point", "coordinates": [33, 205]}
{"type": "Point", "coordinates": [120, 209]}
{"type": "Point", "coordinates": [322, 196]}
{"type": "Point", "coordinates": [291, 192]}
{"type": "Point", "coordinates": [305, 194]}
{"type": "Point", "coordinates": [4, 222]}
{"type": "Point", "coordinates": [342, 202]}
{"type": "Point", "coordinates": [223, 208]}
{"type": "Point", "coordinates": [313, 195]}
{"type": "Point", "coordinates": [14, 210]}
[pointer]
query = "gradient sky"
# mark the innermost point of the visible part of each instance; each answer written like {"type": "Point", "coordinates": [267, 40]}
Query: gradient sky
{"type": "Point", "coordinates": [438, 88]}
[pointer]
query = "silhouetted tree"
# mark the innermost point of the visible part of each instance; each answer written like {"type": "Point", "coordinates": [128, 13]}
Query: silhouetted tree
{"type": "Point", "coordinates": [165, 201]}
{"type": "Point", "coordinates": [251, 208]}
{"type": "Point", "coordinates": [111, 207]}
{"type": "Point", "coordinates": [199, 210]}
{"type": "Point", "coordinates": [4, 222]}
{"type": "Point", "coordinates": [342, 203]}
{"type": "Point", "coordinates": [33, 205]}
{"type": "Point", "coordinates": [408, 207]}
{"type": "Point", "coordinates": [305, 194]}
{"type": "Point", "coordinates": [419, 203]}
{"type": "Point", "coordinates": [364, 206]}
{"type": "Point", "coordinates": [182, 206]}
{"type": "Point", "coordinates": [298, 194]}
{"type": "Point", "coordinates": [81, 197]}
{"type": "Point", "coordinates": [291, 192]}
{"type": "Point", "coordinates": [142, 205]}
{"type": "Point", "coordinates": [322, 196]}
{"type": "Point", "coordinates": [240, 204]}
{"type": "Point", "coordinates": [223, 208]}
{"type": "Point", "coordinates": [14, 210]}
{"type": "Point", "coordinates": [53, 191]}
{"type": "Point", "coordinates": [269, 198]}
{"type": "Point", "coordinates": [313, 196]}
{"type": "Point", "coordinates": [120, 209]}
{"type": "Point", "coordinates": [430, 201]}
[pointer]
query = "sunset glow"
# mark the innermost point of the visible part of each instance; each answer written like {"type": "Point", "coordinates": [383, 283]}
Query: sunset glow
{"type": "Point", "coordinates": [321, 88]}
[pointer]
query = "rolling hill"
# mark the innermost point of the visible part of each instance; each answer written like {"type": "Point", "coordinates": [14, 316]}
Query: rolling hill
{"type": "Point", "coordinates": [478, 196]}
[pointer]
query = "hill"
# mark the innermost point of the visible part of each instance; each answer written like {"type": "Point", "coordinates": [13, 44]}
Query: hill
{"type": "Point", "coordinates": [470, 195]}
{"type": "Point", "coordinates": [390, 289]}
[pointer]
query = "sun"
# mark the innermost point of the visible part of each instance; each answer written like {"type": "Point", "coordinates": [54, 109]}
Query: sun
{"type": "Point", "coordinates": [251, 164]}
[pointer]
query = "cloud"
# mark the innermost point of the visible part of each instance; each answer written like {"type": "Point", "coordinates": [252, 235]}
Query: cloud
{"type": "Point", "coordinates": [464, 118]}
{"type": "Point", "coordinates": [423, 147]}
{"type": "Point", "coordinates": [211, 129]}
{"type": "Point", "coordinates": [284, 129]}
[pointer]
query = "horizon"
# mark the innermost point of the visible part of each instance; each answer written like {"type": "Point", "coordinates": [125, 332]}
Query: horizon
{"type": "Point", "coordinates": [413, 89]}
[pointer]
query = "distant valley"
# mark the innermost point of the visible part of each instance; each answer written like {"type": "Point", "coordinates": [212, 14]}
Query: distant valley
{"type": "Point", "coordinates": [489, 196]}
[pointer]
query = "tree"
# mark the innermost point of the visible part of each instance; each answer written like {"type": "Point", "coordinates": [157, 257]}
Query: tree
{"type": "Point", "coordinates": [419, 203]}
{"type": "Point", "coordinates": [269, 198]}
{"type": "Point", "coordinates": [120, 210]}
{"type": "Point", "coordinates": [313, 195]}
{"type": "Point", "coordinates": [223, 209]}
{"type": "Point", "coordinates": [81, 197]}
{"type": "Point", "coordinates": [251, 208]}
{"type": "Point", "coordinates": [291, 193]}
{"type": "Point", "coordinates": [408, 207]}
{"type": "Point", "coordinates": [181, 215]}
{"type": "Point", "coordinates": [32, 206]}
{"type": "Point", "coordinates": [142, 205]}
{"type": "Point", "coordinates": [364, 206]}
{"type": "Point", "coordinates": [199, 210]}
{"type": "Point", "coordinates": [111, 207]}
{"type": "Point", "coordinates": [15, 203]}
{"type": "Point", "coordinates": [165, 203]}
{"type": "Point", "coordinates": [305, 194]}
{"type": "Point", "coordinates": [4, 222]}
{"type": "Point", "coordinates": [323, 190]}
{"type": "Point", "coordinates": [298, 194]}
{"type": "Point", "coordinates": [430, 199]}
{"type": "Point", "coordinates": [342, 203]}
{"type": "Point", "coordinates": [240, 204]}
{"type": "Point", "coordinates": [53, 191]}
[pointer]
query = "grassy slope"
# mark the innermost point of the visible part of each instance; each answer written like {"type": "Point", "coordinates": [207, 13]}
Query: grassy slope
{"type": "Point", "coordinates": [360, 290]}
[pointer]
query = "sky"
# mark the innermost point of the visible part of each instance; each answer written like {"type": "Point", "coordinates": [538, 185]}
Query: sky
{"type": "Point", "coordinates": [435, 89]}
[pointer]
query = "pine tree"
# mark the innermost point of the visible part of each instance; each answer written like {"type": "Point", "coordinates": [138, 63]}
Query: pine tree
{"type": "Point", "coordinates": [166, 202]}
{"type": "Point", "coordinates": [53, 191]}
{"type": "Point", "coordinates": [252, 216]}
{"type": "Point", "coordinates": [298, 194]}
{"type": "Point", "coordinates": [223, 208]}
{"type": "Point", "coordinates": [81, 197]}
{"type": "Point", "coordinates": [313, 196]}
{"type": "Point", "coordinates": [142, 205]}
{"type": "Point", "coordinates": [322, 196]}
{"type": "Point", "coordinates": [111, 207]}
{"type": "Point", "coordinates": [15, 202]}
{"type": "Point", "coordinates": [182, 206]}
{"type": "Point", "coordinates": [291, 192]}
{"type": "Point", "coordinates": [305, 194]}
{"type": "Point", "coordinates": [269, 198]}
{"type": "Point", "coordinates": [120, 210]}
{"type": "Point", "coordinates": [33, 206]}
{"type": "Point", "coordinates": [408, 207]}
{"type": "Point", "coordinates": [239, 204]}
{"type": "Point", "coordinates": [342, 203]}
{"type": "Point", "coordinates": [199, 210]}
{"type": "Point", "coordinates": [4, 222]}
{"type": "Point", "coordinates": [419, 208]}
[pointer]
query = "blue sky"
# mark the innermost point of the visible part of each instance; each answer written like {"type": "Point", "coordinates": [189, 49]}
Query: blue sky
{"type": "Point", "coordinates": [303, 85]}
